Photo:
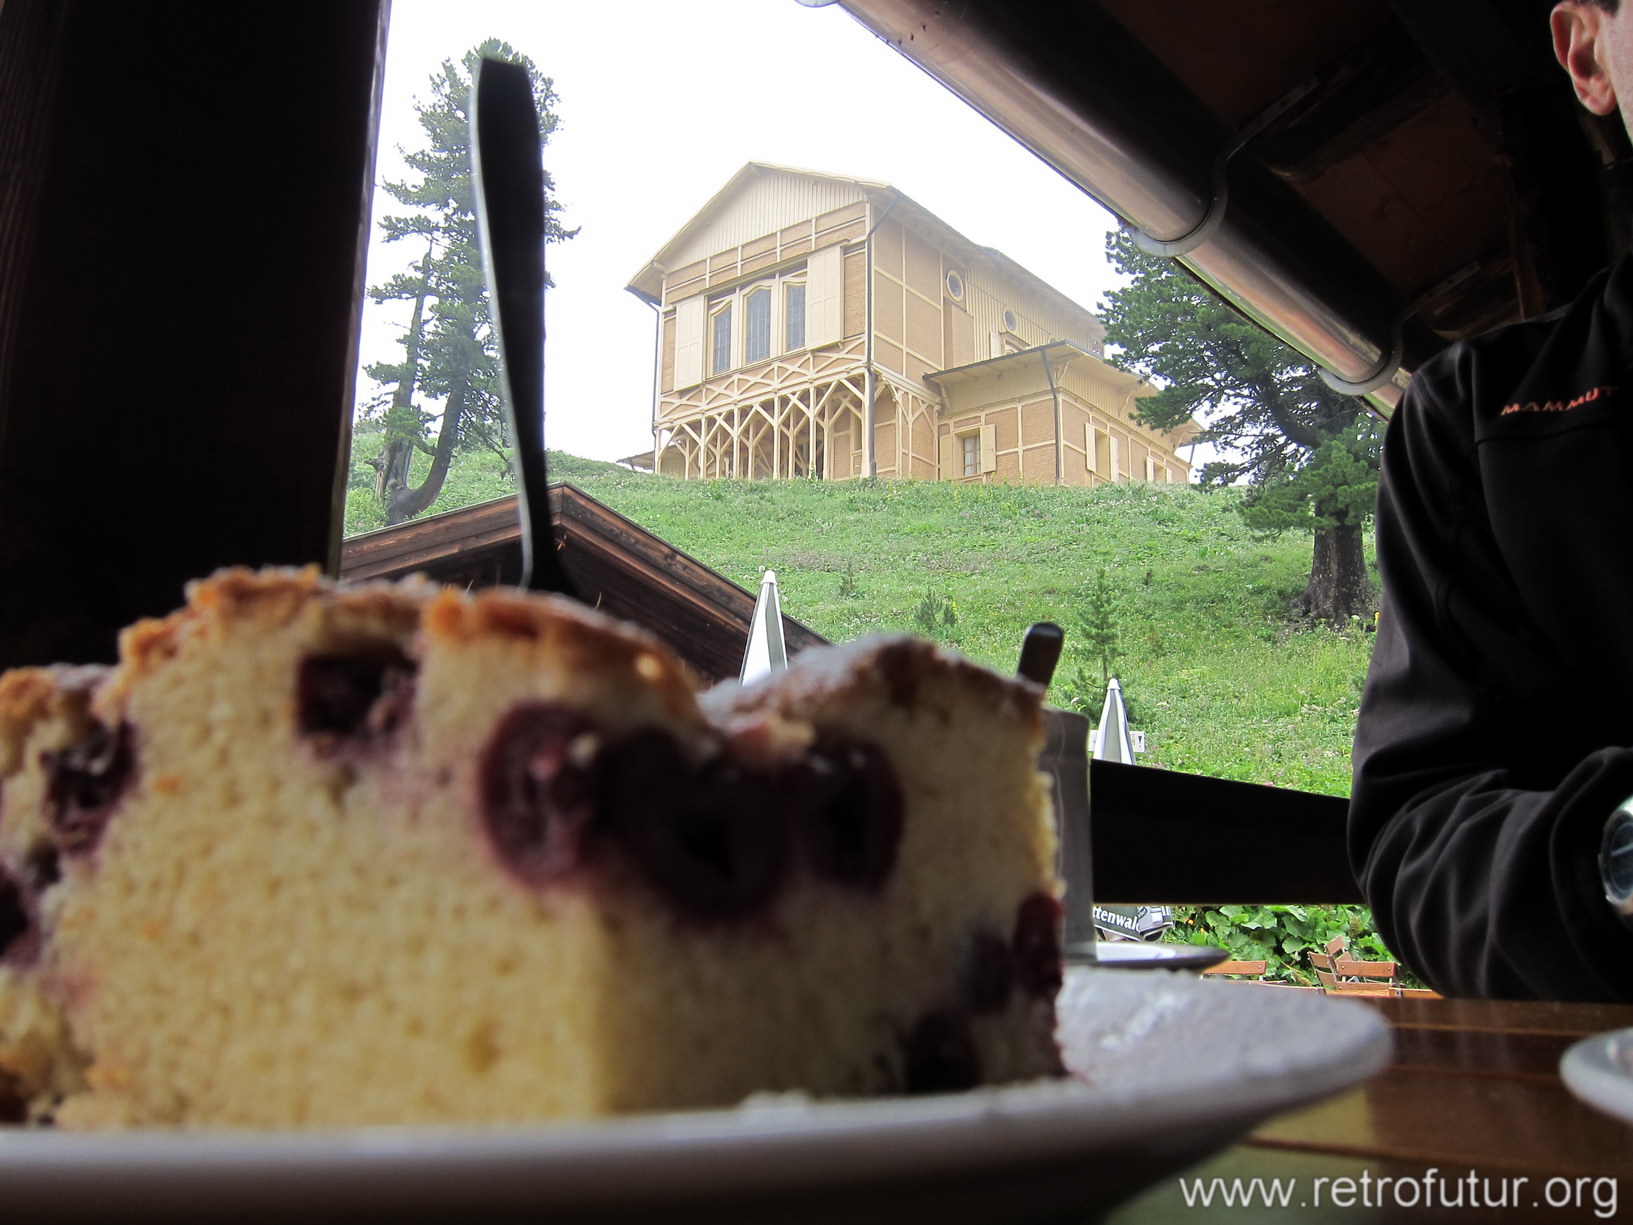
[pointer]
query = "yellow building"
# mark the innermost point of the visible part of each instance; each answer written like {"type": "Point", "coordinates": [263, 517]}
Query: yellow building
{"type": "Point", "coordinates": [813, 325]}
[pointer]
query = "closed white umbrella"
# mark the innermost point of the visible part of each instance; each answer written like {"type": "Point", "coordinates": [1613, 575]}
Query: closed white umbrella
{"type": "Point", "coordinates": [1113, 743]}
{"type": "Point", "coordinates": [767, 653]}
{"type": "Point", "coordinates": [1111, 739]}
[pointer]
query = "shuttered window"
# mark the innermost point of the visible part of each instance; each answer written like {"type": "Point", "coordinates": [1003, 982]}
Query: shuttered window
{"type": "Point", "coordinates": [691, 318]}
{"type": "Point", "coordinates": [972, 452]}
{"type": "Point", "coordinates": [825, 276]}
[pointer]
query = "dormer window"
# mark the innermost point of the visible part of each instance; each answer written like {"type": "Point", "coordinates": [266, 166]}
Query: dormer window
{"type": "Point", "coordinates": [759, 320]}
{"type": "Point", "coordinates": [755, 322]}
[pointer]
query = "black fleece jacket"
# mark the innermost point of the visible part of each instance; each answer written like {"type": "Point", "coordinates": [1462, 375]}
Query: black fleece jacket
{"type": "Point", "coordinates": [1495, 731]}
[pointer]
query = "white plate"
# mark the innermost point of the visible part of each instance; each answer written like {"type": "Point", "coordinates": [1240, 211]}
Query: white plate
{"type": "Point", "coordinates": [1599, 1070]}
{"type": "Point", "coordinates": [1173, 1069]}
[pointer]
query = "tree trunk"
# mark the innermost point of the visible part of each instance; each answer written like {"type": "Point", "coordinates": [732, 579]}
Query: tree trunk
{"type": "Point", "coordinates": [402, 422]}
{"type": "Point", "coordinates": [405, 501]}
{"type": "Point", "coordinates": [1339, 588]}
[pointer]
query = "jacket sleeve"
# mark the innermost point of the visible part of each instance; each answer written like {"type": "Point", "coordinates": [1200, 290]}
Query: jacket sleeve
{"type": "Point", "coordinates": [1474, 821]}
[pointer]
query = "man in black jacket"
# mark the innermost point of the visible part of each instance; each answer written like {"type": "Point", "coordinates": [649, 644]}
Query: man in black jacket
{"type": "Point", "coordinates": [1495, 742]}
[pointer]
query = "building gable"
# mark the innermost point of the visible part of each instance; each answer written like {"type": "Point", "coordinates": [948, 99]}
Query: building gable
{"type": "Point", "coordinates": [760, 204]}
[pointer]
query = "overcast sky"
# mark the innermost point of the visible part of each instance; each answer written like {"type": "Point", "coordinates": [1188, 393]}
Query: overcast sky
{"type": "Point", "coordinates": [661, 102]}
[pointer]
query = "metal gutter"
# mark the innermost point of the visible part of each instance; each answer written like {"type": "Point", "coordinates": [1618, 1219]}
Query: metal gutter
{"type": "Point", "coordinates": [1060, 421]}
{"type": "Point", "coordinates": [657, 366]}
{"type": "Point", "coordinates": [1080, 92]}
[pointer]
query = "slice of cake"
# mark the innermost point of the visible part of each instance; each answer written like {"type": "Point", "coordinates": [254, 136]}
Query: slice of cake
{"type": "Point", "coordinates": [317, 855]}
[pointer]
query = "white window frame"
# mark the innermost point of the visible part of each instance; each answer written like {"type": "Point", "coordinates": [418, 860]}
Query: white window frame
{"type": "Point", "coordinates": [723, 306]}
{"type": "Point", "coordinates": [768, 291]}
{"type": "Point", "coordinates": [956, 454]}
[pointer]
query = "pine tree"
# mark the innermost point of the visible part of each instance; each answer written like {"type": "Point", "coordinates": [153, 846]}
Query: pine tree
{"type": "Point", "coordinates": [449, 351]}
{"type": "Point", "coordinates": [1097, 623]}
{"type": "Point", "coordinates": [1309, 454]}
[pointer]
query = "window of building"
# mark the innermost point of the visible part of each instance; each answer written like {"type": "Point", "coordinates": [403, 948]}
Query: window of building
{"type": "Point", "coordinates": [971, 450]}
{"type": "Point", "coordinates": [745, 326]}
{"type": "Point", "coordinates": [757, 325]}
{"type": "Point", "coordinates": [793, 315]}
{"type": "Point", "coordinates": [1009, 321]}
{"type": "Point", "coordinates": [955, 287]}
{"type": "Point", "coordinates": [720, 335]}
{"type": "Point", "coordinates": [1101, 452]}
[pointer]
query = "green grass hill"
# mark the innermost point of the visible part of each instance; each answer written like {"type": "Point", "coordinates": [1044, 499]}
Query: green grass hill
{"type": "Point", "coordinates": [1211, 669]}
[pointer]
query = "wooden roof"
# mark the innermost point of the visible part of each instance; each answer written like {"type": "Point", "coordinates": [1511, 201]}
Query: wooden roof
{"type": "Point", "coordinates": [647, 283]}
{"type": "Point", "coordinates": [619, 566]}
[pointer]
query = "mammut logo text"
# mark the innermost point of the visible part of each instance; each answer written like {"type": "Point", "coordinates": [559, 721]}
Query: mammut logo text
{"type": "Point", "coordinates": [1557, 406]}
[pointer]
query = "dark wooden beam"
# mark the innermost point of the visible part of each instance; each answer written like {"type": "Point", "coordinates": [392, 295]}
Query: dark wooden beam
{"type": "Point", "coordinates": [1483, 48]}
{"type": "Point", "coordinates": [183, 217]}
{"type": "Point", "coordinates": [617, 565]}
{"type": "Point", "coordinates": [1498, 56]}
{"type": "Point", "coordinates": [437, 545]}
{"type": "Point", "coordinates": [1351, 104]}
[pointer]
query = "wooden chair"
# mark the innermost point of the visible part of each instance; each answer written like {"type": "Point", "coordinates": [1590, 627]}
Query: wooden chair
{"type": "Point", "coordinates": [1333, 985]}
{"type": "Point", "coordinates": [1353, 969]}
{"type": "Point", "coordinates": [1236, 969]}
{"type": "Point", "coordinates": [1337, 975]}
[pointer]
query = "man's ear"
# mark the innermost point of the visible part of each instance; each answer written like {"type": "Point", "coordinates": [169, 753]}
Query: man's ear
{"type": "Point", "coordinates": [1579, 28]}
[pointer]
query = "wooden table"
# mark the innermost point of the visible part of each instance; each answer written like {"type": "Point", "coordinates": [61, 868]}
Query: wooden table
{"type": "Point", "coordinates": [1473, 1087]}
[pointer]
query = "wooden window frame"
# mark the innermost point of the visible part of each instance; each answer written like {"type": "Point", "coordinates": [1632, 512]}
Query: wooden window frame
{"type": "Point", "coordinates": [721, 308]}
{"type": "Point", "coordinates": [736, 300]}
{"type": "Point", "coordinates": [791, 344]}
{"type": "Point", "coordinates": [760, 291]}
